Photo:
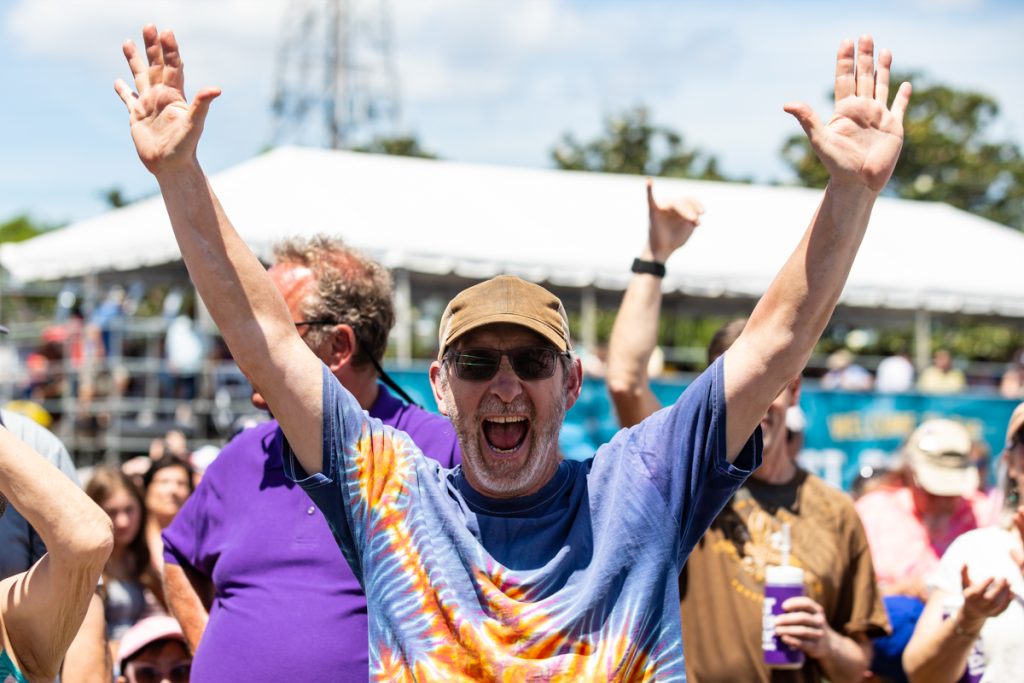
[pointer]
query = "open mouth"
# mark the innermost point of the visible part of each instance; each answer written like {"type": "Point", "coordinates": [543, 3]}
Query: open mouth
{"type": "Point", "coordinates": [506, 433]}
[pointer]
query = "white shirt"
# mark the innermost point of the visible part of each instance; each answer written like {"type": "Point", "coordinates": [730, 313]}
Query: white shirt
{"type": "Point", "coordinates": [986, 552]}
{"type": "Point", "coordinates": [895, 375]}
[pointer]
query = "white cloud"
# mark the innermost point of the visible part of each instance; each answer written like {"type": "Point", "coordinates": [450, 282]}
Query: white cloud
{"type": "Point", "coordinates": [498, 82]}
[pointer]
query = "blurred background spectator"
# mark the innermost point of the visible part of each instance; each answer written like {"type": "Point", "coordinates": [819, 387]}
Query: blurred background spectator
{"type": "Point", "coordinates": [844, 374]}
{"type": "Point", "coordinates": [131, 579]}
{"type": "Point", "coordinates": [895, 375]}
{"type": "Point", "coordinates": [941, 377]}
{"type": "Point", "coordinates": [154, 651]}
{"type": "Point", "coordinates": [168, 484]}
{"type": "Point", "coordinates": [973, 624]}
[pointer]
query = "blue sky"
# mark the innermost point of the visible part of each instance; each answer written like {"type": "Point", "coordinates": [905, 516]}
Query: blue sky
{"type": "Point", "coordinates": [482, 80]}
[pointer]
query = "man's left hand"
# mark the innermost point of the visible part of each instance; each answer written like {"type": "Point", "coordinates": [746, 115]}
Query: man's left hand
{"type": "Point", "coordinates": [672, 224]}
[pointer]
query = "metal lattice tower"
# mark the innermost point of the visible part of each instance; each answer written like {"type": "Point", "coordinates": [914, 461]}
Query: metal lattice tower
{"type": "Point", "coordinates": [336, 81]}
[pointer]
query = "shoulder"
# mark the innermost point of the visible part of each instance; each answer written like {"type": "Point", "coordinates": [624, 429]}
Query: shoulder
{"type": "Point", "coordinates": [980, 542]}
{"type": "Point", "coordinates": [42, 441]}
{"type": "Point", "coordinates": [35, 435]}
{"type": "Point", "coordinates": [823, 493]}
{"type": "Point", "coordinates": [246, 450]}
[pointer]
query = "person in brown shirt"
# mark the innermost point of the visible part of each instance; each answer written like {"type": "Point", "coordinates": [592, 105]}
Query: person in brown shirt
{"type": "Point", "coordinates": [722, 584]}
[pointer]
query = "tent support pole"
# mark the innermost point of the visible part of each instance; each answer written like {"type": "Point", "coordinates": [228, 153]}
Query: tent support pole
{"type": "Point", "coordinates": [588, 317]}
{"type": "Point", "coordinates": [403, 318]}
{"type": "Point", "coordinates": [922, 338]}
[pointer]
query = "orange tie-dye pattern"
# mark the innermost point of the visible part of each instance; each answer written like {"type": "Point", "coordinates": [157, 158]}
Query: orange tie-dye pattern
{"type": "Point", "coordinates": [517, 641]}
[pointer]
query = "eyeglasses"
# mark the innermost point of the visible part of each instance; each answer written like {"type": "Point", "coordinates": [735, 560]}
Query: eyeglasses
{"type": "Point", "coordinates": [528, 362]}
{"type": "Point", "coordinates": [147, 673]}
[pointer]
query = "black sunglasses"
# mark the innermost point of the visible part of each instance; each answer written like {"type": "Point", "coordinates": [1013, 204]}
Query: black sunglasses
{"type": "Point", "coordinates": [528, 362]}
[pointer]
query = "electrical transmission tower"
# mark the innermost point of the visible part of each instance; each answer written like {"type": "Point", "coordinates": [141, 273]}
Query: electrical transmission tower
{"type": "Point", "coordinates": [336, 82]}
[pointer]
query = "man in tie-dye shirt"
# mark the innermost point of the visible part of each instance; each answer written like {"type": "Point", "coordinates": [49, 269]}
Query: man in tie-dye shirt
{"type": "Point", "coordinates": [517, 565]}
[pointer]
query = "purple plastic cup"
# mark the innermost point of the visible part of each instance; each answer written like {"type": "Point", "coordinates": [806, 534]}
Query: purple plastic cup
{"type": "Point", "coordinates": [780, 584]}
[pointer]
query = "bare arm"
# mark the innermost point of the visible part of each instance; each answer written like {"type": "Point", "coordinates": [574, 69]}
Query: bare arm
{"type": "Point", "coordinates": [44, 607]}
{"type": "Point", "coordinates": [859, 146]}
{"type": "Point", "coordinates": [88, 659]}
{"type": "Point", "coordinates": [635, 332]}
{"type": "Point", "coordinates": [189, 596]}
{"type": "Point", "coordinates": [244, 303]}
{"type": "Point", "coordinates": [938, 650]}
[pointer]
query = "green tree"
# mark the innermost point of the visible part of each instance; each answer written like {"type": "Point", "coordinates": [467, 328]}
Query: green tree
{"type": "Point", "coordinates": [632, 144]}
{"type": "Point", "coordinates": [400, 145]}
{"type": "Point", "coordinates": [948, 155]}
{"type": "Point", "coordinates": [21, 228]}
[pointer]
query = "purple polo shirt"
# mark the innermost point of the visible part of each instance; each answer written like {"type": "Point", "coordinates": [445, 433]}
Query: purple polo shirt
{"type": "Point", "coordinates": [282, 587]}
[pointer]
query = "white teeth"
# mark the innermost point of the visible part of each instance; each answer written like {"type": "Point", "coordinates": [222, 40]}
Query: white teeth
{"type": "Point", "coordinates": [506, 419]}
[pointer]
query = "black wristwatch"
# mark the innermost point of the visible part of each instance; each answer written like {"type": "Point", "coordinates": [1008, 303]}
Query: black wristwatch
{"type": "Point", "coordinates": [648, 267]}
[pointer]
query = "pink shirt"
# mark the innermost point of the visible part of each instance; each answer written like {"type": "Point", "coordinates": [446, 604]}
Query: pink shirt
{"type": "Point", "coordinates": [901, 547]}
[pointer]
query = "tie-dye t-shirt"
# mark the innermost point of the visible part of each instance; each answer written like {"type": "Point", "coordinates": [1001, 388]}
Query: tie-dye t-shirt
{"type": "Point", "coordinates": [576, 582]}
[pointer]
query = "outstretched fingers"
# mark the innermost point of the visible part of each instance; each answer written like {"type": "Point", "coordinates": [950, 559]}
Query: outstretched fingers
{"type": "Point", "coordinates": [882, 77]}
{"type": "Point", "coordinates": [808, 120]}
{"type": "Point", "coordinates": [140, 73]}
{"type": "Point", "coordinates": [845, 82]}
{"type": "Point", "coordinates": [124, 91]}
{"type": "Point", "coordinates": [154, 54]}
{"type": "Point", "coordinates": [651, 204]}
{"type": "Point", "coordinates": [865, 67]}
{"type": "Point", "coordinates": [174, 72]}
{"type": "Point", "coordinates": [901, 101]}
{"type": "Point", "coordinates": [201, 104]}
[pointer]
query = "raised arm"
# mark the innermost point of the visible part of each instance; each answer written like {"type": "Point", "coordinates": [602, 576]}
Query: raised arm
{"type": "Point", "coordinates": [235, 287]}
{"type": "Point", "coordinates": [940, 646]}
{"type": "Point", "coordinates": [859, 146]}
{"type": "Point", "coordinates": [43, 607]}
{"type": "Point", "coordinates": [635, 332]}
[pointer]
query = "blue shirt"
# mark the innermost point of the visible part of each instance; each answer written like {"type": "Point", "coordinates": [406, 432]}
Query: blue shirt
{"type": "Point", "coordinates": [575, 582]}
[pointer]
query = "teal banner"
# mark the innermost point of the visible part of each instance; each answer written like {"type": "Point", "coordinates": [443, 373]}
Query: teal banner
{"type": "Point", "coordinates": [845, 431]}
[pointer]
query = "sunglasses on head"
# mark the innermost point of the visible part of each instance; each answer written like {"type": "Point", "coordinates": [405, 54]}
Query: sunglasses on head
{"type": "Point", "coordinates": [528, 362]}
{"type": "Point", "coordinates": [147, 673]}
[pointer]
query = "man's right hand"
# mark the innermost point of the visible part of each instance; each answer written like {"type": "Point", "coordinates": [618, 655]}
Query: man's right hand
{"type": "Point", "coordinates": [983, 600]}
{"type": "Point", "coordinates": [671, 224]}
{"type": "Point", "coordinates": [165, 128]}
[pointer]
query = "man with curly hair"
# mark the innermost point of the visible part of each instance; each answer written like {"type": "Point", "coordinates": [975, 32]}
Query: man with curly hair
{"type": "Point", "coordinates": [251, 568]}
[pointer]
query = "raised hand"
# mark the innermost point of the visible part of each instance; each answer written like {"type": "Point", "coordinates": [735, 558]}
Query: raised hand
{"type": "Point", "coordinates": [861, 143]}
{"type": "Point", "coordinates": [985, 599]}
{"type": "Point", "coordinates": [165, 127]}
{"type": "Point", "coordinates": [670, 224]}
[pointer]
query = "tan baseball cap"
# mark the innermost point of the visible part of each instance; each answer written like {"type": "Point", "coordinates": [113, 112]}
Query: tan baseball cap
{"type": "Point", "coordinates": [939, 455]}
{"type": "Point", "coordinates": [505, 299]}
{"type": "Point", "coordinates": [1016, 423]}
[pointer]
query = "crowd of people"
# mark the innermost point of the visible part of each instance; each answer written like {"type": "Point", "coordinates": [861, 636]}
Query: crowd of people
{"type": "Point", "coordinates": [359, 536]}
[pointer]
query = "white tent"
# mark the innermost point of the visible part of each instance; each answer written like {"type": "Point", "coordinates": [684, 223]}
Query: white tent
{"type": "Point", "coordinates": [568, 229]}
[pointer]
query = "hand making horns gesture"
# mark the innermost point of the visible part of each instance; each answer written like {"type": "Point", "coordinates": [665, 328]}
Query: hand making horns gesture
{"type": "Point", "coordinates": [165, 127]}
{"type": "Point", "coordinates": [861, 142]}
